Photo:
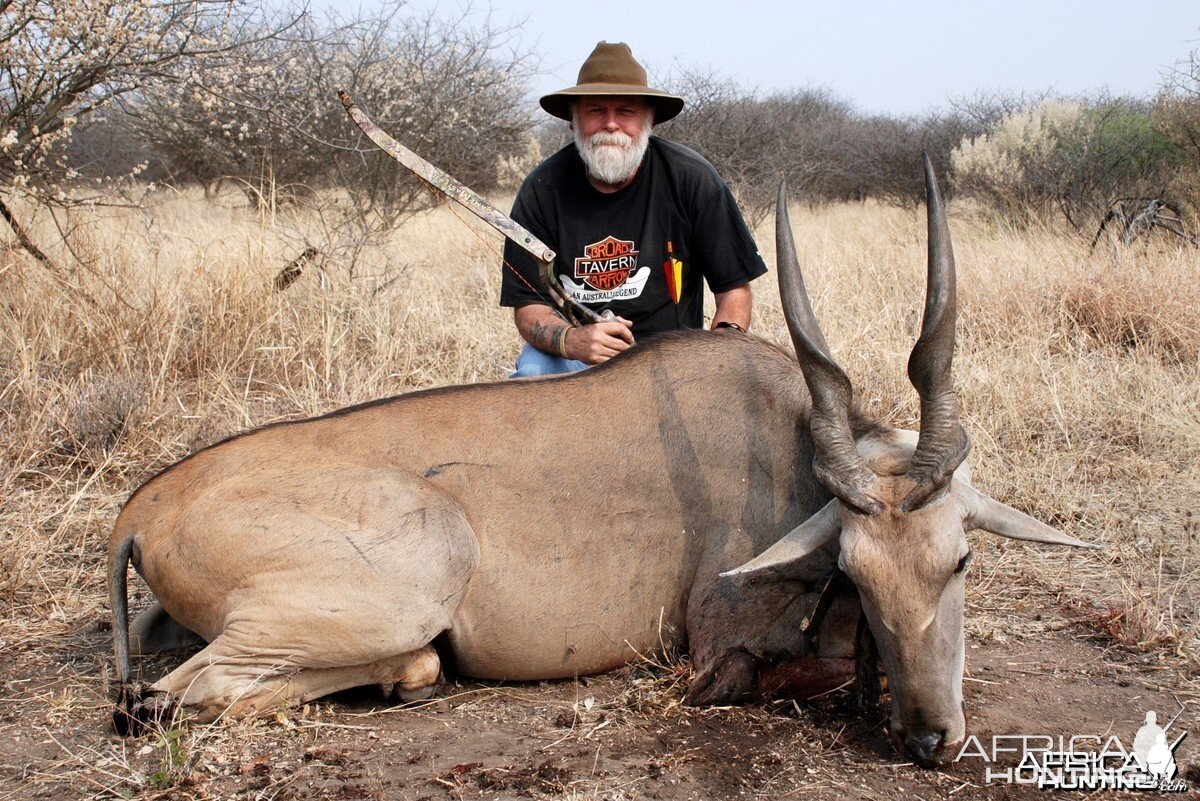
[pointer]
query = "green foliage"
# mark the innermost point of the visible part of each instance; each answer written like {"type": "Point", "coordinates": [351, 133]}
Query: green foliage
{"type": "Point", "coordinates": [1123, 131]}
{"type": "Point", "coordinates": [174, 764]}
{"type": "Point", "coordinates": [1112, 151]}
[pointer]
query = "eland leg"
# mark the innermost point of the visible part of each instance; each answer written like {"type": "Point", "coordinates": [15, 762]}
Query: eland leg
{"type": "Point", "coordinates": [746, 641]}
{"type": "Point", "coordinates": [343, 576]}
{"type": "Point", "coordinates": [223, 680]}
{"type": "Point", "coordinates": [731, 627]}
{"type": "Point", "coordinates": [153, 630]}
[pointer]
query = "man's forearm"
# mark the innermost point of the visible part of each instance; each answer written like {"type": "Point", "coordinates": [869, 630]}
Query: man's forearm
{"type": "Point", "coordinates": [541, 326]}
{"type": "Point", "coordinates": [734, 307]}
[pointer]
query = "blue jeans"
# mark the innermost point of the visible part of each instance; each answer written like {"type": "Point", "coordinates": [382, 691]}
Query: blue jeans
{"type": "Point", "coordinates": [533, 362]}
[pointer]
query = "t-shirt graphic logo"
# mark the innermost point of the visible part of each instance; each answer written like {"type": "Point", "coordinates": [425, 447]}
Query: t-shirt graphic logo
{"type": "Point", "coordinates": [606, 264]}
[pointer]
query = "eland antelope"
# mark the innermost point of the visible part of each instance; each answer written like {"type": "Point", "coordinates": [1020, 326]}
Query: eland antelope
{"type": "Point", "coordinates": [686, 493]}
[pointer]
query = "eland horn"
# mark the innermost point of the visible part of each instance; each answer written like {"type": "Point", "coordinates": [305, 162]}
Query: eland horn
{"type": "Point", "coordinates": [837, 462]}
{"type": "Point", "coordinates": [943, 443]}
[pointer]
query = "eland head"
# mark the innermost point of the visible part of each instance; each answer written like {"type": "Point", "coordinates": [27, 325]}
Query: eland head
{"type": "Point", "coordinates": [902, 505]}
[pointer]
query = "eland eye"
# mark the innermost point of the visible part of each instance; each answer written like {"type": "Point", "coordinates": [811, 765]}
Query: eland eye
{"type": "Point", "coordinates": [962, 563]}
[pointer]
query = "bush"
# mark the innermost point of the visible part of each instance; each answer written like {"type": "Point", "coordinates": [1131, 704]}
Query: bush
{"type": "Point", "coordinates": [755, 142]}
{"type": "Point", "coordinates": [824, 148]}
{"type": "Point", "coordinates": [1074, 158]}
{"type": "Point", "coordinates": [880, 157]}
{"type": "Point", "coordinates": [1007, 165]}
{"type": "Point", "coordinates": [63, 62]}
{"type": "Point", "coordinates": [1176, 115]}
{"type": "Point", "coordinates": [271, 121]}
{"type": "Point", "coordinates": [207, 91]}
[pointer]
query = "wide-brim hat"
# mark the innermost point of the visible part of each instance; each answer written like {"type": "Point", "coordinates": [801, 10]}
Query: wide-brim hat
{"type": "Point", "coordinates": [612, 70]}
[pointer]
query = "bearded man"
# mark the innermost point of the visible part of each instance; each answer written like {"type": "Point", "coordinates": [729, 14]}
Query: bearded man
{"type": "Point", "coordinates": [639, 224]}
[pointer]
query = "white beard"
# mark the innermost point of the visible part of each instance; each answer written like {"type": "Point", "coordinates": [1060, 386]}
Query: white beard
{"type": "Point", "coordinates": [614, 157]}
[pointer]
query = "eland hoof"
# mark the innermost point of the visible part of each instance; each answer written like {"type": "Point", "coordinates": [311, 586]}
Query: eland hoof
{"type": "Point", "coordinates": [412, 694]}
{"type": "Point", "coordinates": [140, 710]}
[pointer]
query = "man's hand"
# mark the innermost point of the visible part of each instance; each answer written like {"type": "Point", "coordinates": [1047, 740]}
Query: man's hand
{"type": "Point", "coordinates": [544, 328]}
{"type": "Point", "coordinates": [599, 342]}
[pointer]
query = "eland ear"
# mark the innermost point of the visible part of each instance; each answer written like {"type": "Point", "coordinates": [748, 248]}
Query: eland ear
{"type": "Point", "coordinates": [798, 543]}
{"type": "Point", "coordinates": [991, 515]}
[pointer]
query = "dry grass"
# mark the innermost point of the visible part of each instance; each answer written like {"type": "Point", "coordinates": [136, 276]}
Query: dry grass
{"type": "Point", "coordinates": [1078, 375]}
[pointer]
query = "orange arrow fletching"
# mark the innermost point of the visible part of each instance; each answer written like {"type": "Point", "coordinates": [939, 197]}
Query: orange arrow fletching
{"type": "Point", "coordinates": [673, 267]}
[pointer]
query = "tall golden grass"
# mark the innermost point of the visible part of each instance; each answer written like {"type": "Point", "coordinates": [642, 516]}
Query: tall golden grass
{"type": "Point", "coordinates": [1078, 375]}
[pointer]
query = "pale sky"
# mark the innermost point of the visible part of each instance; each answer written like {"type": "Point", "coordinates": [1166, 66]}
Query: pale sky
{"type": "Point", "coordinates": [896, 57]}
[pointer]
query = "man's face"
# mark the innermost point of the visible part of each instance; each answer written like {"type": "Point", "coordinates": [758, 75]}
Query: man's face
{"type": "Point", "coordinates": [624, 114]}
{"type": "Point", "coordinates": [611, 134]}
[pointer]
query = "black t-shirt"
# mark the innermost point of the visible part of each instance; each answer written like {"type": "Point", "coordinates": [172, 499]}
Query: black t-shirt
{"type": "Point", "coordinates": [612, 248]}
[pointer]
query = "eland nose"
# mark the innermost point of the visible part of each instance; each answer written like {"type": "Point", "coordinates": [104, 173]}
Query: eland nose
{"type": "Point", "coordinates": [925, 748]}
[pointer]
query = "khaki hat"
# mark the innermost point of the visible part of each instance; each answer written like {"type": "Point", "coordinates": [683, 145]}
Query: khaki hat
{"type": "Point", "coordinates": [612, 70]}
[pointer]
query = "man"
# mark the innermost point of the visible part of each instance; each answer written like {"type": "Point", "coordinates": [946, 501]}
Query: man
{"type": "Point", "coordinates": [637, 223]}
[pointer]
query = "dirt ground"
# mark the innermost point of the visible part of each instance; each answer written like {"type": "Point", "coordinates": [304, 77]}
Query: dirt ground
{"type": "Point", "coordinates": [620, 736]}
